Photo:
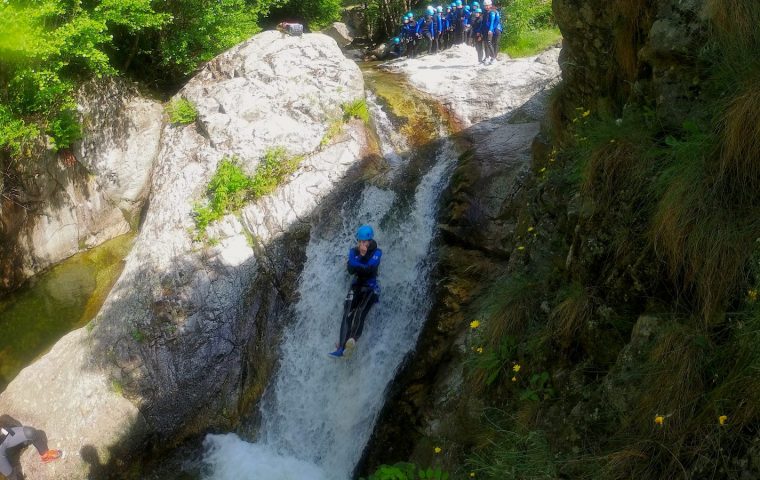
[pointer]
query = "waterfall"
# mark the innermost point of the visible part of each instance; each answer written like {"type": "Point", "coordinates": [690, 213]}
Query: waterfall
{"type": "Point", "coordinates": [319, 412]}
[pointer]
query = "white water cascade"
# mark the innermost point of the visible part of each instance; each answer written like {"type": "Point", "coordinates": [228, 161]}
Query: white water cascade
{"type": "Point", "coordinates": [319, 412]}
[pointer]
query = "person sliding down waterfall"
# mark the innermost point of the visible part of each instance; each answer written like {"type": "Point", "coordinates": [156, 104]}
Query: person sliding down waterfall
{"type": "Point", "coordinates": [363, 261]}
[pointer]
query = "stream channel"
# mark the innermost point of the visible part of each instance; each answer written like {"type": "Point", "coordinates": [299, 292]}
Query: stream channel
{"type": "Point", "coordinates": [53, 303]}
{"type": "Point", "coordinates": [318, 413]}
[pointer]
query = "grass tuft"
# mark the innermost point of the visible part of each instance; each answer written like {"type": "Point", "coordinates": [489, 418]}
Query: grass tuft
{"type": "Point", "coordinates": [739, 166]}
{"type": "Point", "coordinates": [532, 42]}
{"type": "Point", "coordinates": [573, 313]}
{"type": "Point", "coordinates": [231, 188]}
{"type": "Point", "coordinates": [356, 109]}
{"type": "Point", "coordinates": [181, 111]}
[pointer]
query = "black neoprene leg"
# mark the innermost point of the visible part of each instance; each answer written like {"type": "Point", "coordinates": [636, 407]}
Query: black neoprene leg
{"type": "Point", "coordinates": [361, 312]}
{"type": "Point", "coordinates": [38, 439]}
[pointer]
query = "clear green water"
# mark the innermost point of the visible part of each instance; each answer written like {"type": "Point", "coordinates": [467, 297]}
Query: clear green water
{"type": "Point", "coordinates": [52, 304]}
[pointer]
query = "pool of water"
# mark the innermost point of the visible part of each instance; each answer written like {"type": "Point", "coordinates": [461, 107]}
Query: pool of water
{"type": "Point", "coordinates": [54, 303]}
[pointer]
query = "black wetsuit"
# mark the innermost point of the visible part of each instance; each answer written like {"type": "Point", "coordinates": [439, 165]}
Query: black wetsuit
{"type": "Point", "coordinates": [13, 435]}
{"type": "Point", "coordinates": [364, 292]}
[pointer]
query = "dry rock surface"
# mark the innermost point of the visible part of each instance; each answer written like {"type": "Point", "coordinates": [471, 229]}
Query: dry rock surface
{"type": "Point", "coordinates": [474, 92]}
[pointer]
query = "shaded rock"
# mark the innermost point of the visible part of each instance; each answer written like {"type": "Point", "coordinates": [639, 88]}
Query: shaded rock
{"type": "Point", "coordinates": [379, 52]}
{"type": "Point", "coordinates": [340, 33]}
{"type": "Point", "coordinates": [65, 395]}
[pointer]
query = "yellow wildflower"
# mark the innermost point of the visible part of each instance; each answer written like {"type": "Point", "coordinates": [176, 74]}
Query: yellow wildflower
{"type": "Point", "coordinates": [586, 113]}
{"type": "Point", "coordinates": [542, 170]}
{"type": "Point", "coordinates": [530, 229]}
{"type": "Point", "coordinates": [514, 379]}
{"type": "Point", "coordinates": [722, 419]}
{"type": "Point", "coordinates": [659, 420]}
{"type": "Point", "coordinates": [516, 367]}
{"type": "Point", "coordinates": [474, 324]}
{"type": "Point", "coordinates": [752, 294]}
{"type": "Point", "coordinates": [472, 474]}
{"type": "Point", "coordinates": [521, 247]}
{"type": "Point", "coordinates": [479, 349]}
{"type": "Point", "coordinates": [437, 450]}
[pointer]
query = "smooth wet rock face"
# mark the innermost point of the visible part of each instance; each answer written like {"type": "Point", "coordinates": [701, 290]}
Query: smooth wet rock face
{"type": "Point", "coordinates": [473, 92]}
{"type": "Point", "coordinates": [187, 332]}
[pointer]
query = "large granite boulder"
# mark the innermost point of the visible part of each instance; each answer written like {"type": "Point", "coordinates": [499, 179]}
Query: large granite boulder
{"type": "Point", "coordinates": [481, 92]}
{"type": "Point", "coordinates": [184, 341]}
{"type": "Point", "coordinates": [339, 32]}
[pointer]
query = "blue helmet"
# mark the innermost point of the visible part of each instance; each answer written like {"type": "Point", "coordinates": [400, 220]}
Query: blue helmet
{"type": "Point", "coordinates": [396, 40]}
{"type": "Point", "coordinates": [409, 14]}
{"type": "Point", "coordinates": [430, 10]}
{"type": "Point", "coordinates": [440, 9]}
{"type": "Point", "coordinates": [467, 7]}
{"type": "Point", "coordinates": [453, 4]}
{"type": "Point", "coordinates": [365, 232]}
{"type": "Point", "coordinates": [475, 4]}
{"type": "Point", "coordinates": [459, 3]}
{"type": "Point", "coordinates": [478, 10]}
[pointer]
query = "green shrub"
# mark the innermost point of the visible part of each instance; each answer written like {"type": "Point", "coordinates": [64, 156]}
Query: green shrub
{"type": "Point", "coordinates": [65, 130]}
{"type": "Point", "coordinates": [515, 456]}
{"type": "Point", "coordinates": [230, 188]}
{"type": "Point", "coordinates": [181, 111]}
{"type": "Point", "coordinates": [407, 471]}
{"type": "Point", "coordinates": [332, 131]}
{"type": "Point", "coordinates": [529, 27]}
{"type": "Point", "coordinates": [356, 109]}
{"type": "Point", "coordinates": [274, 168]}
{"type": "Point", "coordinates": [16, 135]}
{"type": "Point", "coordinates": [530, 42]}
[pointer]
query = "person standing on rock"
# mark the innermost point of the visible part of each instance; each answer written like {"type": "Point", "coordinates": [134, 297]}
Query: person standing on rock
{"type": "Point", "coordinates": [14, 435]}
{"type": "Point", "coordinates": [459, 23]}
{"type": "Point", "coordinates": [426, 29]}
{"type": "Point", "coordinates": [363, 261]}
{"type": "Point", "coordinates": [439, 20]}
{"type": "Point", "coordinates": [476, 26]}
{"type": "Point", "coordinates": [492, 31]}
{"type": "Point", "coordinates": [410, 33]}
{"type": "Point", "coordinates": [448, 35]}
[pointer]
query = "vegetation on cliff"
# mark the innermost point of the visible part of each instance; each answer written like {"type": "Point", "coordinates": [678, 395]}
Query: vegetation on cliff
{"type": "Point", "coordinates": [50, 47]}
{"type": "Point", "coordinates": [619, 341]}
{"type": "Point", "coordinates": [529, 27]}
{"type": "Point", "coordinates": [611, 327]}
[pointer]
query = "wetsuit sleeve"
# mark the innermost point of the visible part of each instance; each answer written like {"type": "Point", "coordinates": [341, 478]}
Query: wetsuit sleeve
{"type": "Point", "coordinates": [354, 264]}
{"type": "Point", "coordinates": [491, 21]}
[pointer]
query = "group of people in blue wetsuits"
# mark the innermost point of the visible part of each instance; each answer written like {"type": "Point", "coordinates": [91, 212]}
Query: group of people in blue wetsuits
{"type": "Point", "coordinates": [461, 22]}
{"type": "Point", "coordinates": [363, 262]}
